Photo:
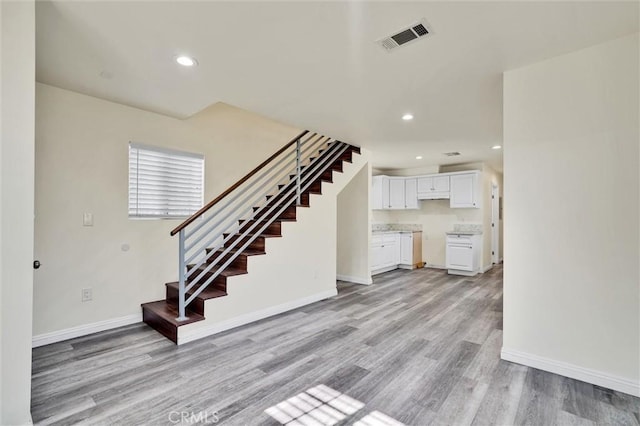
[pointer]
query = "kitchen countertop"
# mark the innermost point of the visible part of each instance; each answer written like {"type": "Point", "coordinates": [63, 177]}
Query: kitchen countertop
{"type": "Point", "coordinates": [470, 232]}
{"type": "Point", "coordinates": [393, 232]}
{"type": "Point", "coordinates": [394, 228]}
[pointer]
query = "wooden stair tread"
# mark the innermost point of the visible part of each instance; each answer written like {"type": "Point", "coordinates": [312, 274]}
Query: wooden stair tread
{"type": "Point", "coordinates": [169, 313]}
{"type": "Point", "coordinates": [255, 234]}
{"type": "Point", "coordinates": [246, 252]}
{"type": "Point", "coordinates": [211, 292]}
{"type": "Point", "coordinates": [229, 271]}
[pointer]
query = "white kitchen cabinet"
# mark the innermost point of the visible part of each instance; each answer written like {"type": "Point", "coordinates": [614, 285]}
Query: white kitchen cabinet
{"type": "Point", "coordinates": [385, 251]}
{"type": "Point", "coordinates": [396, 193]}
{"type": "Point", "coordinates": [463, 254]}
{"type": "Point", "coordinates": [391, 249]}
{"type": "Point", "coordinates": [376, 192]}
{"type": "Point", "coordinates": [396, 250]}
{"type": "Point", "coordinates": [406, 248]}
{"type": "Point", "coordinates": [433, 187]}
{"type": "Point", "coordinates": [411, 193]}
{"type": "Point", "coordinates": [465, 190]}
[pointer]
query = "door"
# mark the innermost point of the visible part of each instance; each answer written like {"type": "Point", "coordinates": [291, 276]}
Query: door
{"type": "Point", "coordinates": [463, 191]}
{"type": "Point", "coordinates": [396, 193]}
{"type": "Point", "coordinates": [411, 193]}
{"type": "Point", "coordinates": [406, 249]}
{"type": "Point", "coordinates": [441, 183]}
{"type": "Point", "coordinates": [495, 223]}
{"type": "Point", "coordinates": [425, 185]}
{"type": "Point", "coordinates": [460, 257]}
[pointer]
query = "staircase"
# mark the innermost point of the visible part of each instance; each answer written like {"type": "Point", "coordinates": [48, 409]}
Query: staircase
{"type": "Point", "coordinates": [217, 241]}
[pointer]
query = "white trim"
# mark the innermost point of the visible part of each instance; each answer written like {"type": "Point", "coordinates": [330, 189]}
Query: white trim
{"type": "Point", "coordinates": [208, 330]}
{"type": "Point", "coordinates": [435, 266]}
{"type": "Point", "coordinates": [588, 375]}
{"type": "Point", "coordinates": [357, 280]}
{"type": "Point", "coordinates": [84, 330]}
{"type": "Point", "coordinates": [486, 268]}
{"type": "Point", "coordinates": [385, 269]}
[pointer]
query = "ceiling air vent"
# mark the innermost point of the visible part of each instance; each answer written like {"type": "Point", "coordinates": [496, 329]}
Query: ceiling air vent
{"type": "Point", "coordinates": [405, 36]}
{"type": "Point", "coordinates": [452, 154]}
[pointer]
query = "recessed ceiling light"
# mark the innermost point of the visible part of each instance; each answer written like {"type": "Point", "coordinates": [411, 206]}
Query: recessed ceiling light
{"type": "Point", "coordinates": [419, 157]}
{"type": "Point", "coordinates": [407, 117]}
{"type": "Point", "coordinates": [496, 147]}
{"type": "Point", "coordinates": [186, 61]}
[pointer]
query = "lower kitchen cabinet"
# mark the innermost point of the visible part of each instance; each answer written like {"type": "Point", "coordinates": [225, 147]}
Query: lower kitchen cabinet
{"type": "Point", "coordinates": [463, 254]}
{"type": "Point", "coordinates": [396, 250]}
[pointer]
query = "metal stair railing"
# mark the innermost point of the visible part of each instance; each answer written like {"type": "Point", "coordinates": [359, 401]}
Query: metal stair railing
{"type": "Point", "coordinates": [211, 239]}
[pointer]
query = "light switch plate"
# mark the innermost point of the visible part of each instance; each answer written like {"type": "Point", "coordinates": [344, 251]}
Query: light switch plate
{"type": "Point", "coordinates": [87, 219]}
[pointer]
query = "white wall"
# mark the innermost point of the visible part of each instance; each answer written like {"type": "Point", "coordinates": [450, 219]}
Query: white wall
{"type": "Point", "coordinates": [17, 73]}
{"type": "Point", "coordinates": [82, 166]}
{"type": "Point", "coordinates": [571, 161]}
{"type": "Point", "coordinates": [354, 229]}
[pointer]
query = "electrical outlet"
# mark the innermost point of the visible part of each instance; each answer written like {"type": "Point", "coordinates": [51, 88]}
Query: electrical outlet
{"type": "Point", "coordinates": [87, 294]}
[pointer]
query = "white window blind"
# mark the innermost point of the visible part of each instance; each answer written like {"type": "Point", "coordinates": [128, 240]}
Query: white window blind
{"type": "Point", "coordinates": [164, 183]}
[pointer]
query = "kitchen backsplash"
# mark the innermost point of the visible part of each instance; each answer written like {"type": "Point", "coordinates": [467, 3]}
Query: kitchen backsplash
{"type": "Point", "coordinates": [382, 227]}
{"type": "Point", "coordinates": [467, 227]}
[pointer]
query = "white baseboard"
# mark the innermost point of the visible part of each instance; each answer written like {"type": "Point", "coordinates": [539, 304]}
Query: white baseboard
{"type": "Point", "coordinates": [486, 268]}
{"type": "Point", "coordinates": [435, 266]}
{"type": "Point", "coordinates": [83, 330]}
{"type": "Point", "coordinates": [208, 330]}
{"type": "Point", "coordinates": [385, 269]}
{"type": "Point", "coordinates": [588, 375]}
{"type": "Point", "coordinates": [357, 280]}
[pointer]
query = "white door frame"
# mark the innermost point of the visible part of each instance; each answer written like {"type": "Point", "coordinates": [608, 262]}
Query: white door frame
{"type": "Point", "coordinates": [495, 223]}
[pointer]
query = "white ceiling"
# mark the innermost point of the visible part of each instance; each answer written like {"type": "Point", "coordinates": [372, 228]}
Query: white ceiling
{"type": "Point", "coordinates": [315, 64]}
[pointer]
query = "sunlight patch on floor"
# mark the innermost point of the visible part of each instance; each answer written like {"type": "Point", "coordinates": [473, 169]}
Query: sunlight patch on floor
{"type": "Point", "coordinates": [323, 406]}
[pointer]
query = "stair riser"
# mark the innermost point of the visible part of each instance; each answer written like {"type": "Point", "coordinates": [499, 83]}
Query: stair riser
{"type": "Point", "coordinates": [304, 198]}
{"type": "Point", "coordinates": [239, 262]}
{"type": "Point", "coordinates": [257, 244]}
{"type": "Point", "coordinates": [288, 213]}
{"type": "Point", "coordinates": [196, 306]}
{"type": "Point", "coordinates": [159, 324]}
{"type": "Point", "coordinates": [274, 228]}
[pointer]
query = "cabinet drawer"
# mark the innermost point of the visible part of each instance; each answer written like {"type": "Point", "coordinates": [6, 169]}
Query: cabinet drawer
{"type": "Point", "coordinates": [390, 238]}
{"type": "Point", "coordinates": [459, 239]}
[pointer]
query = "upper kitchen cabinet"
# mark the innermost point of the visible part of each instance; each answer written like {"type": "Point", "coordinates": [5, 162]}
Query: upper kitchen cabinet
{"type": "Point", "coordinates": [378, 185]}
{"type": "Point", "coordinates": [411, 193]}
{"type": "Point", "coordinates": [465, 190]}
{"type": "Point", "coordinates": [434, 187]}
{"type": "Point", "coordinates": [395, 193]}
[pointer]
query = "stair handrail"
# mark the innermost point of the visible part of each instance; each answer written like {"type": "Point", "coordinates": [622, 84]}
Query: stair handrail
{"type": "Point", "coordinates": [233, 187]}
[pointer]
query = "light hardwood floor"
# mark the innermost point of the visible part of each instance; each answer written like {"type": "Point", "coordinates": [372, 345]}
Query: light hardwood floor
{"type": "Point", "coordinates": [421, 347]}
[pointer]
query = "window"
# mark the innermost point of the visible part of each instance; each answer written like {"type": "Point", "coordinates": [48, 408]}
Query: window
{"type": "Point", "coordinates": [164, 183]}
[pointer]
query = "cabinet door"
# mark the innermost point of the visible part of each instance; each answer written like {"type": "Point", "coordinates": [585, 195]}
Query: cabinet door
{"type": "Point", "coordinates": [376, 193]}
{"type": "Point", "coordinates": [396, 193]}
{"type": "Point", "coordinates": [425, 184]}
{"type": "Point", "coordinates": [411, 194]}
{"type": "Point", "coordinates": [441, 183]}
{"type": "Point", "coordinates": [385, 192]}
{"type": "Point", "coordinates": [463, 191]}
{"type": "Point", "coordinates": [460, 257]}
{"type": "Point", "coordinates": [377, 256]}
{"type": "Point", "coordinates": [406, 249]}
